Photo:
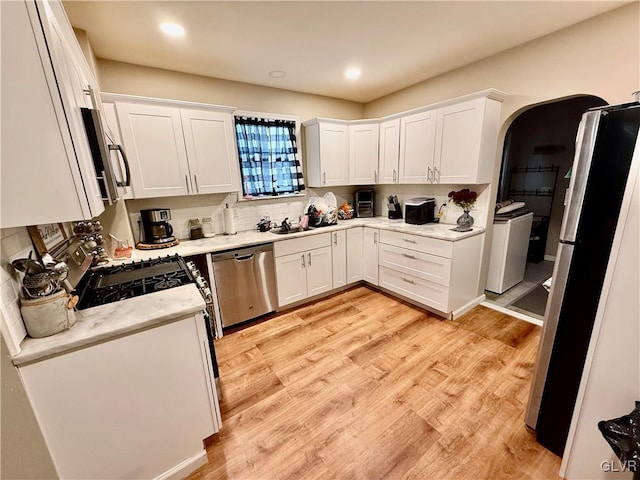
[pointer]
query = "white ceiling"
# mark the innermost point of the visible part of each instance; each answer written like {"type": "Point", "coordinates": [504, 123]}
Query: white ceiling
{"type": "Point", "coordinates": [395, 43]}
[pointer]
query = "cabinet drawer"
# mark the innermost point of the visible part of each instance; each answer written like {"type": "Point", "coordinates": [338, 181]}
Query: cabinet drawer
{"type": "Point", "coordinates": [423, 265]}
{"type": "Point", "coordinates": [433, 246]}
{"type": "Point", "coordinates": [422, 291]}
{"type": "Point", "coordinates": [301, 244]}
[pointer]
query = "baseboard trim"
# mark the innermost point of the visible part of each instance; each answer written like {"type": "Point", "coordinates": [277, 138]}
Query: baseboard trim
{"type": "Point", "coordinates": [468, 306]}
{"type": "Point", "coordinates": [550, 258]}
{"type": "Point", "coordinates": [511, 313]}
{"type": "Point", "coordinates": [182, 470]}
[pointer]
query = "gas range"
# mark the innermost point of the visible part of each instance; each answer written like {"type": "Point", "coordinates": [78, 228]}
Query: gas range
{"type": "Point", "coordinates": [119, 282]}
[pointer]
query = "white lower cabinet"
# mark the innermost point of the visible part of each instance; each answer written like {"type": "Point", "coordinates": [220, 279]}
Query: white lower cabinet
{"type": "Point", "coordinates": [339, 258]}
{"type": "Point", "coordinates": [354, 254]}
{"type": "Point", "coordinates": [303, 267]}
{"type": "Point", "coordinates": [370, 255]}
{"type": "Point", "coordinates": [439, 274]}
{"type": "Point", "coordinates": [133, 407]}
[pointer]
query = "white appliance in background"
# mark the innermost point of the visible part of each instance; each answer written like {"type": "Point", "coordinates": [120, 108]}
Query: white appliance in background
{"type": "Point", "coordinates": [508, 257]}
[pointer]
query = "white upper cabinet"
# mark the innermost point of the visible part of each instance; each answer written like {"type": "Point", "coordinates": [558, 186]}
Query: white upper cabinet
{"type": "Point", "coordinates": [363, 154]}
{"type": "Point", "coordinates": [389, 151]}
{"type": "Point", "coordinates": [211, 151]}
{"type": "Point", "coordinates": [417, 147]}
{"type": "Point", "coordinates": [466, 138]}
{"type": "Point", "coordinates": [327, 146]}
{"type": "Point", "coordinates": [175, 150]}
{"type": "Point", "coordinates": [47, 168]}
{"type": "Point", "coordinates": [152, 136]}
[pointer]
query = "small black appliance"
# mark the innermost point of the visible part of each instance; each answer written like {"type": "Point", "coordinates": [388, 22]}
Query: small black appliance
{"type": "Point", "coordinates": [156, 226]}
{"type": "Point", "coordinates": [364, 203]}
{"type": "Point", "coordinates": [419, 210]}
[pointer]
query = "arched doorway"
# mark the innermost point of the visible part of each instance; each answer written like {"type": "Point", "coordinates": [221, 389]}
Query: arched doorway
{"type": "Point", "coordinates": [538, 154]}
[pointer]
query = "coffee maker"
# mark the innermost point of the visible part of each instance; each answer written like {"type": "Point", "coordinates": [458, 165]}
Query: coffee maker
{"type": "Point", "coordinates": [157, 230]}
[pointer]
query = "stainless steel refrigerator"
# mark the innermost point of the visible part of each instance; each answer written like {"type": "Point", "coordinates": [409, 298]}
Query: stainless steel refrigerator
{"type": "Point", "coordinates": [605, 144]}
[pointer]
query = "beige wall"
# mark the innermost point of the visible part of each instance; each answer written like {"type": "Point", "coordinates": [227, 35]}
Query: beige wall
{"type": "Point", "coordinates": [116, 77]}
{"type": "Point", "coordinates": [598, 56]}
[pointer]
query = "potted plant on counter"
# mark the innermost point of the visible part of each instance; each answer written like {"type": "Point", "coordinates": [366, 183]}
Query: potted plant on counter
{"type": "Point", "coordinates": [464, 199]}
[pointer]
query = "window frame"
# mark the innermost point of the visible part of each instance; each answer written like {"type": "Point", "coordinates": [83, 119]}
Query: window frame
{"type": "Point", "coordinates": [298, 130]}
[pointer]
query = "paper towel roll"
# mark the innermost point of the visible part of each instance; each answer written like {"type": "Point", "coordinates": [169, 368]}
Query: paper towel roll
{"type": "Point", "coordinates": [229, 222]}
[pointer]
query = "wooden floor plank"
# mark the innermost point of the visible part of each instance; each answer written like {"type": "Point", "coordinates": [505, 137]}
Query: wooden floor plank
{"type": "Point", "coordinates": [361, 386]}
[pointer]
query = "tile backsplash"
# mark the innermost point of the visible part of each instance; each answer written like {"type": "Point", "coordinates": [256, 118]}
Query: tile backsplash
{"type": "Point", "coordinates": [14, 241]}
{"type": "Point", "coordinates": [246, 213]}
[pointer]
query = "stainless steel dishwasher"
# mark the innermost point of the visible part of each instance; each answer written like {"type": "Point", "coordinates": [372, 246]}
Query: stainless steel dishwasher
{"type": "Point", "coordinates": [245, 283]}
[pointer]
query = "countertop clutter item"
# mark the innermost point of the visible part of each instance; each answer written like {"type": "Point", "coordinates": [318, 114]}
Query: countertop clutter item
{"type": "Point", "coordinates": [229, 221]}
{"type": "Point", "coordinates": [464, 199]}
{"type": "Point", "coordinates": [345, 212]}
{"type": "Point", "coordinates": [364, 200]}
{"type": "Point", "coordinates": [264, 224]}
{"type": "Point", "coordinates": [156, 227]}
{"type": "Point", "coordinates": [208, 228]}
{"type": "Point", "coordinates": [48, 315]}
{"type": "Point", "coordinates": [419, 210]}
{"type": "Point", "coordinates": [195, 229]}
{"type": "Point", "coordinates": [121, 248]}
{"type": "Point", "coordinates": [395, 210]}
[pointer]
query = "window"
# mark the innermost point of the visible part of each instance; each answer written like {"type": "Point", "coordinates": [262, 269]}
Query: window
{"type": "Point", "coordinates": [268, 154]}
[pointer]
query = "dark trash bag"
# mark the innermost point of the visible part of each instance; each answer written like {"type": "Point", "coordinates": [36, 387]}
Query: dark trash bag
{"type": "Point", "coordinates": [623, 435]}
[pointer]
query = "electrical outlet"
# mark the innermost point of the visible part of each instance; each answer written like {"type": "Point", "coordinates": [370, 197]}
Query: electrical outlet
{"type": "Point", "coordinates": [235, 212]}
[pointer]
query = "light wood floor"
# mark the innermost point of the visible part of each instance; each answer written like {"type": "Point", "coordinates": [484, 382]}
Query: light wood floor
{"type": "Point", "coordinates": [363, 386]}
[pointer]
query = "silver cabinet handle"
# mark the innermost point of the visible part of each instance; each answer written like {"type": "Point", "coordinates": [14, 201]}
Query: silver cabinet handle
{"type": "Point", "coordinates": [408, 240]}
{"type": "Point", "coordinates": [435, 170]}
{"type": "Point", "coordinates": [302, 258]}
{"type": "Point", "coordinates": [335, 239]}
{"type": "Point", "coordinates": [375, 176]}
{"type": "Point", "coordinates": [309, 258]}
{"type": "Point", "coordinates": [186, 180]}
{"type": "Point", "coordinates": [394, 175]}
{"type": "Point", "coordinates": [324, 178]}
{"type": "Point", "coordinates": [409, 256]}
{"type": "Point", "coordinates": [428, 174]}
{"type": "Point", "coordinates": [408, 280]}
{"type": "Point", "coordinates": [195, 180]}
{"type": "Point", "coordinates": [375, 237]}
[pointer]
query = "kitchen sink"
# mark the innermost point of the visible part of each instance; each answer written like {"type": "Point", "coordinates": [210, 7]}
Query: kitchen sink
{"type": "Point", "coordinates": [280, 231]}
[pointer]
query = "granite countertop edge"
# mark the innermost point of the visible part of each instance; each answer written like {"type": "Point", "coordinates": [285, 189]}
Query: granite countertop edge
{"type": "Point", "coordinates": [249, 238]}
{"type": "Point", "coordinates": [108, 322]}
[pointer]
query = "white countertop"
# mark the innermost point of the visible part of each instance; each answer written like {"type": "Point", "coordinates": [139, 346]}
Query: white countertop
{"type": "Point", "coordinates": [106, 322]}
{"type": "Point", "coordinates": [254, 237]}
{"type": "Point", "coordinates": [99, 324]}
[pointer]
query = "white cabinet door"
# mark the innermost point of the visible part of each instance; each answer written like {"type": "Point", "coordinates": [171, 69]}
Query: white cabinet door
{"type": "Point", "coordinates": [458, 139]}
{"type": "Point", "coordinates": [42, 180]}
{"type": "Point", "coordinates": [327, 152]}
{"type": "Point", "coordinates": [152, 136]}
{"type": "Point", "coordinates": [389, 151]}
{"type": "Point", "coordinates": [125, 408]}
{"type": "Point", "coordinates": [291, 275]}
{"type": "Point", "coordinates": [319, 271]}
{"type": "Point", "coordinates": [339, 258]}
{"type": "Point", "coordinates": [370, 255]}
{"type": "Point", "coordinates": [363, 154]}
{"type": "Point", "coordinates": [417, 147]}
{"type": "Point", "coordinates": [354, 254]}
{"type": "Point", "coordinates": [334, 154]}
{"type": "Point", "coordinates": [211, 151]}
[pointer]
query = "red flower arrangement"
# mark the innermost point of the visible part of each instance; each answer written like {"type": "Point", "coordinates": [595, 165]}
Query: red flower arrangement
{"type": "Point", "coordinates": [464, 198]}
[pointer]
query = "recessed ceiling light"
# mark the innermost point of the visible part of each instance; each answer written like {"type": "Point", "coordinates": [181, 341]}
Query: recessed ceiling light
{"type": "Point", "coordinates": [352, 73]}
{"type": "Point", "coordinates": [277, 74]}
{"type": "Point", "coordinates": [172, 29]}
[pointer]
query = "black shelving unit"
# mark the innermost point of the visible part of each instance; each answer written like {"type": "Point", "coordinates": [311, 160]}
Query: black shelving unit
{"type": "Point", "coordinates": [535, 185]}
